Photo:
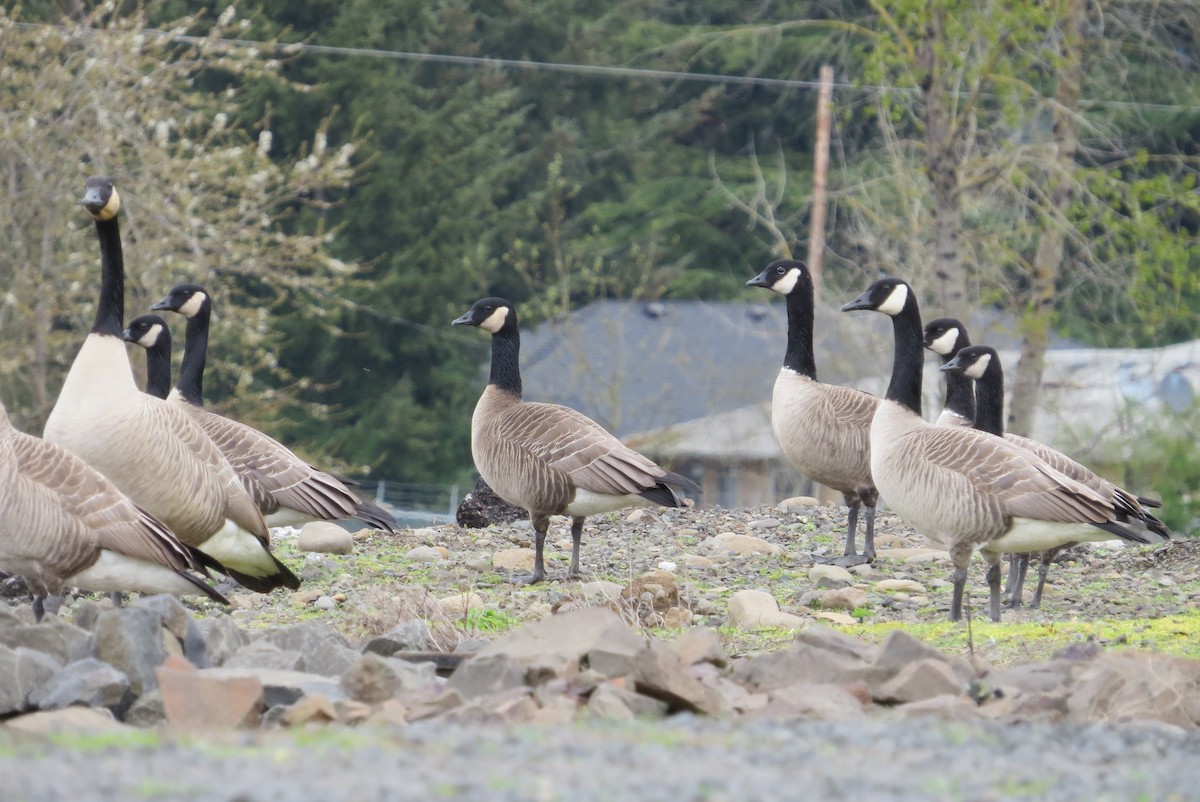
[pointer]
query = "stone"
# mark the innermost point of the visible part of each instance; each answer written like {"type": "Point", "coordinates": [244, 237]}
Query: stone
{"type": "Point", "coordinates": [322, 648]}
{"type": "Point", "coordinates": [801, 662]}
{"type": "Point", "coordinates": [700, 645]}
{"type": "Point", "coordinates": [945, 707]}
{"type": "Point", "coordinates": [1136, 686]}
{"type": "Point", "coordinates": [821, 637]}
{"type": "Point", "coordinates": [1041, 677]}
{"type": "Point", "coordinates": [22, 671]}
{"type": "Point", "coordinates": [315, 709]}
{"type": "Point", "coordinates": [746, 608]}
{"type": "Point", "coordinates": [325, 603]}
{"type": "Point", "coordinates": [409, 636]}
{"type": "Point", "coordinates": [918, 555]}
{"type": "Point", "coordinates": [677, 618]}
{"type": "Point", "coordinates": [487, 674]}
{"type": "Point", "coordinates": [836, 618]}
{"type": "Point", "coordinates": [696, 561]}
{"type": "Point", "coordinates": [130, 640]}
{"type": "Point", "coordinates": [427, 554]}
{"type": "Point", "coordinates": [568, 636]}
{"type": "Point", "coordinates": [374, 678]}
{"type": "Point", "coordinates": [173, 616]}
{"type": "Point", "coordinates": [67, 721]}
{"type": "Point", "coordinates": [900, 586]}
{"type": "Point", "coordinates": [843, 599]}
{"type": "Point", "coordinates": [264, 654]}
{"type": "Point", "coordinates": [325, 537]}
{"type": "Point", "coordinates": [764, 523]}
{"type": "Point", "coordinates": [147, 711]}
{"type": "Point", "coordinates": [392, 713]}
{"type": "Point", "coordinates": [457, 606]}
{"type": "Point", "coordinates": [8, 618]}
{"type": "Point", "coordinates": [664, 592]}
{"type": "Point", "coordinates": [87, 682]}
{"type": "Point", "coordinates": [814, 700]}
{"type": "Point", "coordinates": [659, 673]}
{"type": "Point", "coordinates": [601, 590]}
{"type": "Point", "coordinates": [222, 638]}
{"type": "Point", "coordinates": [55, 637]}
{"type": "Point", "coordinates": [798, 503]}
{"type": "Point", "coordinates": [835, 572]}
{"type": "Point", "coordinates": [196, 699]}
{"type": "Point", "coordinates": [281, 687]}
{"type": "Point", "coordinates": [918, 681]}
{"type": "Point", "coordinates": [520, 560]}
{"type": "Point", "coordinates": [303, 598]}
{"type": "Point", "coordinates": [608, 703]}
{"type": "Point", "coordinates": [730, 543]}
{"type": "Point", "coordinates": [482, 507]}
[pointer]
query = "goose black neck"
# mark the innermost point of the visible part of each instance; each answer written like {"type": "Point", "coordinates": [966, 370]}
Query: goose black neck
{"type": "Point", "coordinates": [905, 386]}
{"type": "Point", "coordinates": [960, 395]}
{"type": "Point", "coordinates": [110, 306]}
{"type": "Point", "coordinates": [506, 365]}
{"type": "Point", "coordinates": [989, 400]}
{"type": "Point", "coordinates": [799, 356]}
{"type": "Point", "coordinates": [195, 352]}
{"type": "Point", "coordinates": [158, 367]}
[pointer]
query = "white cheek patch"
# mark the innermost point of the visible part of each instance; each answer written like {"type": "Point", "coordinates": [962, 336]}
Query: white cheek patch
{"type": "Point", "coordinates": [786, 284]}
{"type": "Point", "coordinates": [148, 339]}
{"type": "Point", "coordinates": [193, 305]}
{"type": "Point", "coordinates": [495, 321]}
{"type": "Point", "coordinates": [111, 208]}
{"type": "Point", "coordinates": [944, 345]}
{"type": "Point", "coordinates": [977, 370]}
{"type": "Point", "coordinates": [894, 303]}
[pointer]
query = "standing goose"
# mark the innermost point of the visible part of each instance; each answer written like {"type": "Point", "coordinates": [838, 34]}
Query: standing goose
{"type": "Point", "coordinates": [286, 488]}
{"type": "Point", "coordinates": [945, 336]}
{"type": "Point", "coordinates": [962, 487]}
{"type": "Point", "coordinates": [148, 448]}
{"type": "Point", "coordinates": [982, 364]}
{"type": "Point", "coordinates": [63, 523]}
{"type": "Point", "coordinates": [550, 459]}
{"type": "Point", "coordinates": [822, 428]}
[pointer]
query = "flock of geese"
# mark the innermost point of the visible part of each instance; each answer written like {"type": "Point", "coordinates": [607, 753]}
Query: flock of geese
{"type": "Point", "coordinates": [149, 491]}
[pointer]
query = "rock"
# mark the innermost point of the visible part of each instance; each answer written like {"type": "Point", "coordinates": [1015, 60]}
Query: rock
{"type": "Point", "coordinates": [918, 555]}
{"type": "Point", "coordinates": [764, 523]}
{"type": "Point", "coordinates": [427, 554]}
{"type": "Point", "coordinates": [700, 645]}
{"type": "Point", "coordinates": [315, 709]}
{"type": "Point", "coordinates": [457, 606]}
{"type": "Point", "coordinates": [840, 644]}
{"type": "Point", "coordinates": [798, 503]}
{"type": "Point", "coordinates": [22, 671]}
{"type": "Point", "coordinates": [729, 543]}
{"type": "Point", "coordinates": [843, 599]}
{"type": "Point", "coordinates": [836, 618]}
{"type": "Point", "coordinates": [8, 618]}
{"type": "Point", "coordinates": [281, 688]}
{"type": "Point", "coordinates": [325, 603]}
{"type": "Point", "coordinates": [322, 648]}
{"type": "Point", "coordinates": [661, 586]}
{"type": "Point", "coordinates": [1042, 677]}
{"type": "Point", "coordinates": [834, 572]}
{"type": "Point", "coordinates": [696, 561]}
{"type": "Point", "coordinates": [147, 711]}
{"type": "Point", "coordinates": [130, 639]}
{"type": "Point", "coordinates": [374, 679]}
{"type": "Point", "coordinates": [608, 703]}
{"type": "Point", "coordinates": [945, 707]}
{"type": "Point", "coordinates": [86, 682]}
{"type": "Point", "coordinates": [222, 638]}
{"type": "Point", "coordinates": [601, 590]}
{"type": "Point", "coordinates": [67, 721]}
{"type": "Point", "coordinates": [410, 636]}
{"type": "Point", "coordinates": [63, 641]}
{"type": "Point", "coordinates": [325, 537]}
{"type": "Point", "coordinates": [487, 675]}
{"type": "Point", "coordinates": [264, 654]}
{"type": "Point", "coordinates": [747, 608]}
{"type": "Point", "coordinates": [482, 507]}
{"type": "Point", "coordinates": [801, 662]}
{"type": "Point", "coordinates": [173, 616]}
{"type": "Point", "coordinates": [816, 700]}
{"type": "Point", "coordinates": [519, 560]}
{"type": "Point", "coordinates": [900, 586]}
{"type": "Point", "coordinates": [1132, 685]}
{"type": "Point", "coordinates": [677, 618]}
{"type": "Point", "coordinates": [918, 681]}
{"type": "Point", "coordinates": [196, 699]}
{"type": "Point", "coordinates": [659, 673]}
{"type": "Point", "coordinates": [303, 598]}
{"type": "Point", "coordinates": [569, 637]}
{"type": "Point", "coordinates": [900, 649]}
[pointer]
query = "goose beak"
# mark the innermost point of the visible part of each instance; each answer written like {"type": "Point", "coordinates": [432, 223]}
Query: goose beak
{"type": "Point", "coordinates": [158, 306]}
{"type": "Point", "coordinates": [861, 302]}
{"type": "Point", "coordinates": [93, 200]}
{"type": "Point", "coordinates": [759, 281]}
{"type": "Point", "coordinates": [953, 366]}
{"type": "Point", "coordinates": [463, 320]}
{"type": "Point", "coordinates": [127, 335]}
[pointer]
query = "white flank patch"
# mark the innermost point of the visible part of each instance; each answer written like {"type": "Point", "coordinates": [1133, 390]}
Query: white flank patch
{"type": "Point", "coordinates": [894, 303]}
{"type": "Point", "coordinates": [786, 284]}
{"type": "Point", "coordinates": [944, 345]}
{"type": "Point", "coordinates": [979, 367]}
{"type": "Point", "coordinates": [148, 339]}
{"type": "Point", "coordinates": [238, 549]}
{"type": "Point", "coordinates": [120, 573]}
{"type": "Point", "coordinates": [951, 418]}
{"type": "Point", "coordinates": [589, 503]}
{"type": "Point", "coordinates": [495, 321]}
{"type": "Point", "coordinates": [192, 307]}
{"type": "Point", "coordinates": [1029, 535]}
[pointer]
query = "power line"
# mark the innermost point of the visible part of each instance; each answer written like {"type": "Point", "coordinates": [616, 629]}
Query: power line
{"type": "Point", "coordinates": [291, 48]}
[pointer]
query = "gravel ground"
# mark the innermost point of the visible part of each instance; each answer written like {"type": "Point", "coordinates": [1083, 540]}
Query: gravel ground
{"type": "Point", "coordinates": [683, 759]}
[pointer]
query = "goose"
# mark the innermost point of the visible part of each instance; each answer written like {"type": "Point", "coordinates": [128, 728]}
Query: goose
{"type": "Point", "coordinates": [551, 459]}
{"type": "Point", "coordinates": [287, 490]}
{"type": "Point", "coordinates": [981, 363]}
{"type": "Point", "coordinates": [823, 429]}
{"type": "Point", "coordinates": [961, 487]}
{"type": "Point", "coordinates": [152, 450]}
{"type": "Point", "coordinates": [63, 523]}
{"type": "Point", "coordinates": [153, 334]}
{"type": "Point", "coordinates": [945, 336]}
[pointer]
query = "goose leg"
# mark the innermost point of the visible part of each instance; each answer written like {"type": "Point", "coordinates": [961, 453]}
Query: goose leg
{"type": "Point", "coordinates": [869, 501]}
{"type": "Point", "coordinates": [1018, 567]}
{"type": "Point", "coordinates": [851, 556]}
{"type": "Point", "coordinates": [993, 580]}
{"type": "Point", "coordinates": [39, 608]}
{"type": "Point", "coordinates": [540, 524]}
{"type": "Point", "coordinates": [961, 557]}
{"type": "Point", "coordinates": [1043, 570]}
{"type": "Point", "coordinates": [1011, 581]}
{"type": "Point", "coordinates": [851, 525]}
{"type": "Point", "coordinates": [576, 536]}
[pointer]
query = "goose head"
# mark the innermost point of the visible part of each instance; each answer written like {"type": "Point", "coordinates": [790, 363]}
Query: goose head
{"type": "Point", "coordinates": [186, 299]}
{"type": "Point", "coordinates": [146, 331]}
{"type": "Point", "coordinates": [945, 336]}
{"type": "Point", "coordinates": [781, 276]}
{"type": "Point", "coordinates": [493, 315]}
{"type": "Point", "coordinates": [888, 295]}
{"type": "Point", "coordinates": [972, 361]}
{"type": "Point", "coordinates": [101, 198]}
